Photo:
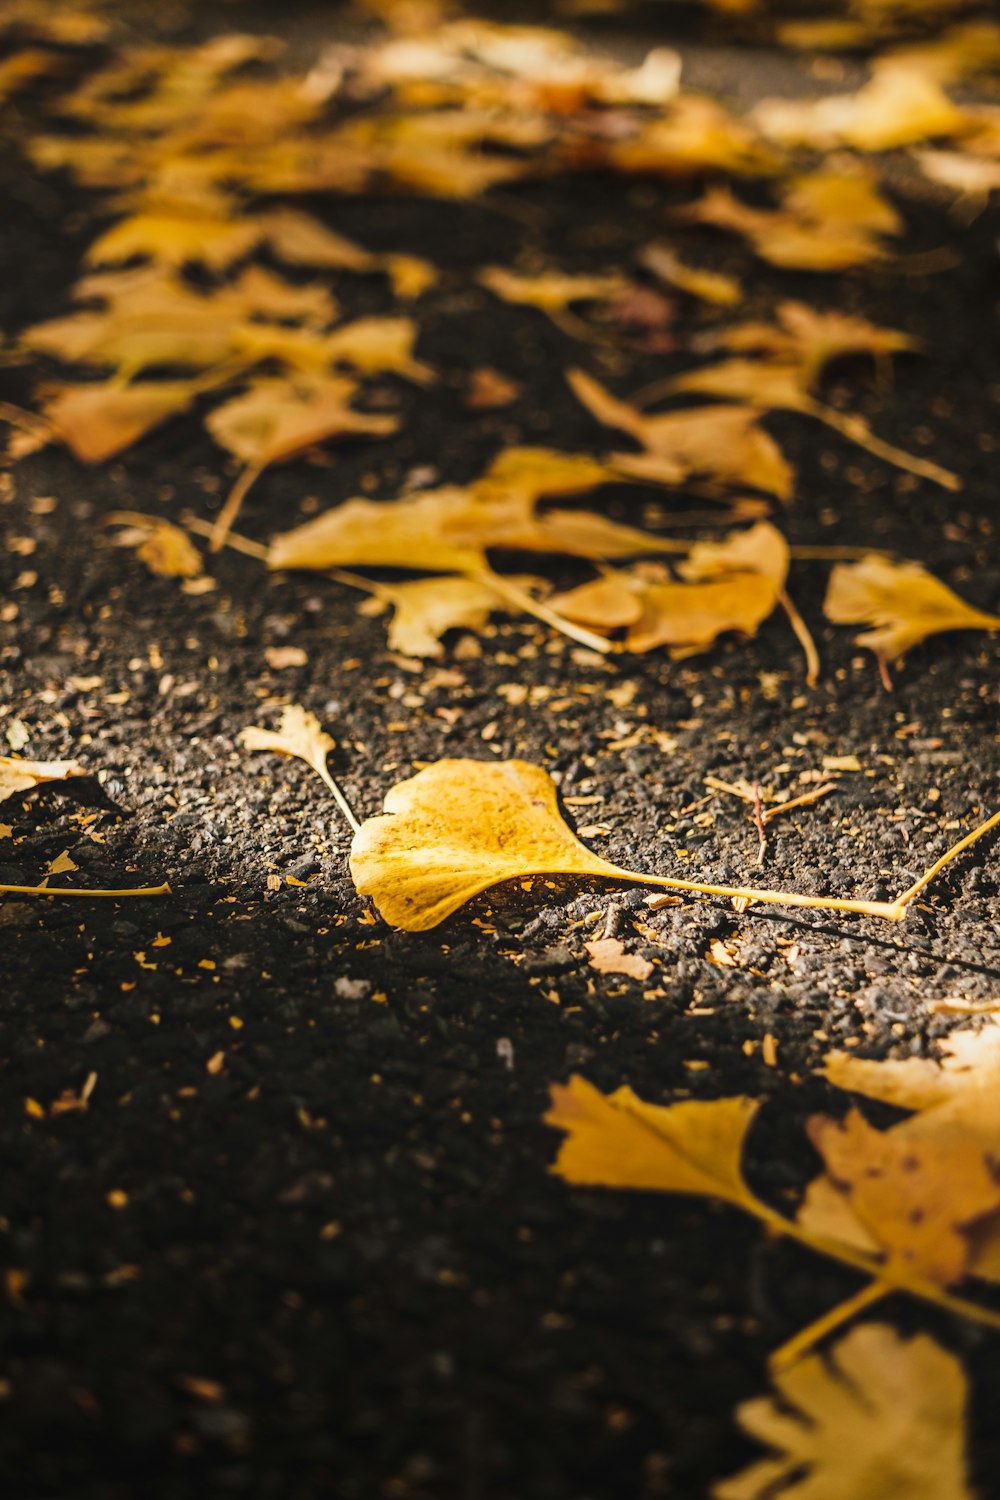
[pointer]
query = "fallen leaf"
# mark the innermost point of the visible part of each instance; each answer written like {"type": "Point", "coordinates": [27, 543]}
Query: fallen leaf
{"type": "Point", "coordinates": [902, 600]}
{"type": "Point", "coordinates": [17, 775]}
{"type": "Point", "coordinates": [828, 221]}
{"type": "Point", "coordinates": [449, 531]}
{"type": "Point", "coordinates": [300, 735]}
{"type": "Point", "coordinates": [541, 473]}
{"type": "Point", "coordinates": [98, 420]}
{"type": "Point", "coordinates": [61, 865]}
{"type": "Point", "coordinates": [897, 107]}
{"type": "Point", "coordinates": [608, 956]}
{"type": "Point", "coordinates": [877, 1416]}
{"type": "Point", "coordinates": [729, 585]}
{"type": "Point", "coordinates": [708, 286]}
{"type": "Point", "coordinates": [815, 339]}
{"type": "Point", "coordinates": [488, 390]}
{"type": "Point", "coordinates": [167, 551]}
{"type": "Point", "coordinates": [461, 826]}
{"type": "Point", "coordinates": [972, 176]}
{"type": "Point", "coordinates": [425, 610]}
{"type": "Point", "coordinates": [917, 1199]}
{"type": "Point", "coordinates": [552, 292]}
{"type": "Point", "coordinates": [956, 53]}
{"type": "Point", "coordinates": [783, 384]}
{"type": "Point", "coordinates": [689, 617]}
{"type": "Point", "coordinates": [721, 443]}
{"type": "Point", "coordinates": [276, 419]}
{"type": "Point", "coordinates": [617, 1140]}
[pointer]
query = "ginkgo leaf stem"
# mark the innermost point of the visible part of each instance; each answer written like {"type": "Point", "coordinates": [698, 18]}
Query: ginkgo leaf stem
{"type": "Point", "coordinates": [371, 586]}
{"type": "Point", "coordinates": [893, 911]}
{"type": "Point", "coordinates": [857, 430]}
{"type": "Point", "coordinates": [520, 597]}
{"type": "Point", "coordinates": [947, 857]}
{"type": "Point", "coordinates": [234, 539]}
{"type": "Point", "coordinates": [891, 1277]}
{"type": "Point", "coordinates": [29, 421]}
{"type": "Point", "coordinates": [227, 515]}
{"type": "Point", "coordinates": [807, 1338]}
{"type": "Point", "coordinates": [338, 796]}
{"type": "Point", "coordinates": [803, 636]}
{"type": "Point", "coordinates": [58, 890]}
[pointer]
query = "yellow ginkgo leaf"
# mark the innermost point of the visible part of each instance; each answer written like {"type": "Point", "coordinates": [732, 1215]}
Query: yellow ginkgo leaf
{"type": "Point", "coordinates": [815, 339]}
{"type": "Point", "coordinates": [608, 603]}
{"type": "Point", "coordinates": [846, 199]}
{"type": "Point", "coordinates": [718, 443]}
{"type": "Point", "coordinates": [17, 775]}
{"type": "Point", "coordinates": [951, 1100]}
{"type": "Point", "coordinates": [450, 530]}
{"type": "Point", "coordinates": [729, 585]}
{"type": "Point", "coordinates": [300, 734]}
{"type": "Point", "coordinates": [904, 602]}
{"type": "Point", "coordinates": [98, 420]}
{"type": "Point", "coordinates": [418, 532]}
{"type": "Point", "coordinates": [756, 549]}
{"type": "Point", "coordinates": [917, 1198]}
{"type": "Point", "coordinates": [689, 617]}
{"type": "Point", "coordinates": [424, 610]}
{"type": "Point", "coordinates": [277, 419]}
{"type": "Point", "coordinates": [375, 345]}
{"type": "Point", "coordinates": [783, 384]}
{"type": "Point", "coordinates": [301, 240]}
{"type": "Point", "coordinates": [618, 1141]}
{"type": "Point", "coordinates": [897, 107]}
{"type": "Point", "coordinates": [538, 473]}
{"type": "Point", "coordinates": [708, 286]}
{"type": "Point", "coordinates": [964, 1079]}
{"type": "Point", "coordinates": [550, 292]}
{"type": "Point", "coordinates": [877, 1416]}
{"type": "Point", "coordinates": [461, 826]}
{"type": "Point", "coordinates": [972, 176]}
{"type": "Point", "coordinates": [177, 239]}
{"type": "Point", "coordinates": [828, 221]}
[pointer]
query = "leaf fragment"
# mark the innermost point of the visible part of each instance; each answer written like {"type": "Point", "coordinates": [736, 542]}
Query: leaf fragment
{"type": "Point", "coordinates": [608, 956]}
{"type": "Point", "coordinates": [17, 775]}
